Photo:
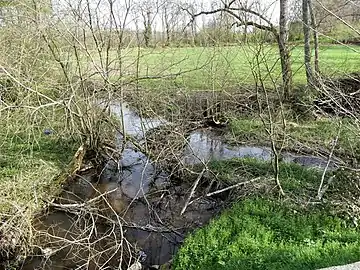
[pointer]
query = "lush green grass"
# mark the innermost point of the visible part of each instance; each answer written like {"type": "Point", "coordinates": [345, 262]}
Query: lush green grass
{"type": "Point", "coordinates": [260, 234]}
{"type": "Point", "coordinates": [227, 67]}
{"type": "Point", "coordinates": [31, 164]}
{"type": "Point", "coordinates": [316, 135]}
{"type": "Point", "coordinates": [263, 231]}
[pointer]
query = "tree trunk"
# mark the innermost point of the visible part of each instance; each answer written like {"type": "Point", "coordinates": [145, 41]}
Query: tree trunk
{"type": "Point", "coordinates": [167, 27]}
{"type": "Point", "coordinates": [284, 48]}
{"type": "Point", "coordinates": [307, 46]}
{"type": "Point", "coordinates": [147, 30]}
{"type": "Point", "coordinates": [245, 33]}
{"type": "Point", "coordinates": [316, 40]}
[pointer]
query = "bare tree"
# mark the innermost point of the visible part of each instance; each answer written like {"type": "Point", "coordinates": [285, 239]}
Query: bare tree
{"type": "Point", "coordinates": [260, 21]}
{"type": "Point", "coordinates": [246, 16]}
{"type": "Point", "coordinates": [146, 14]}
{"type": "Point", "coordinates": [307, 47]}
{"type": "Point", "coordinates": [148, 11]}
{"type": "Point", "coordinates": [167, 22]}
{"type": "Point", "coordinates": [170, 17]}
{"type": "Point", "coordinates": [316, 39]}
{"type": "Point", "coordinates": [284, 49]}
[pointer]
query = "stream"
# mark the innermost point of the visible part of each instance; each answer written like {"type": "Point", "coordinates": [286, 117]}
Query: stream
{"type": "Point", "coordinates": [202, 146]}
{"type": "Point", "coordinates": [141, 193]}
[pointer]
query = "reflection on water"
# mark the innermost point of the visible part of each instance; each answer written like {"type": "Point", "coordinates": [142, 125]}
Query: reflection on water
{"type": "Point", "coordinates": [205, 145]}
{"type": "Point", "coordinates": [136, 171]}
{"type": "Point", "coordinates": [134, 125]}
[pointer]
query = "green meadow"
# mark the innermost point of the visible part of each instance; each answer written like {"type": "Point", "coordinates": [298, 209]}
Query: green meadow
{"type": "Point", "coordinates": [219, 68]}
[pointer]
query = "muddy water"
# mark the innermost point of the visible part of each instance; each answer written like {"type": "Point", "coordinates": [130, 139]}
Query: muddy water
{"type": "Point", "coordinates": [134, 171]}
{"type": "Point", "coordinates": [162, 227]}
{"type": "Point", "coordinates": [72, 237]}
{"type": "Point", "coordinates": [204, 145]}
{"type": "Point", "coordinates": [141, 194]}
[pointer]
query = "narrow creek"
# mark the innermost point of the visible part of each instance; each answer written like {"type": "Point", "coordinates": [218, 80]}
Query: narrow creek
{"type": "Point", "coordinates": [203, 145]}
{"type": "Point", "coordinates": [144, 197]}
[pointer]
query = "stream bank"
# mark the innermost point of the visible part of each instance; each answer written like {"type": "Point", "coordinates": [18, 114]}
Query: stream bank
{"type": "Point", "coordinates": [130, 209]}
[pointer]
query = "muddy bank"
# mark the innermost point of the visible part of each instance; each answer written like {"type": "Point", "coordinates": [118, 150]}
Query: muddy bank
{"type": "Point", "coordinates": [94, 224]}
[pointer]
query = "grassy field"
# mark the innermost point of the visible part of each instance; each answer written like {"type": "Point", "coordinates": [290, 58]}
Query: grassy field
{"type": "Point", "coordinates": [262, 231]}
{"type": "Point", "coordinates": [224, 67]}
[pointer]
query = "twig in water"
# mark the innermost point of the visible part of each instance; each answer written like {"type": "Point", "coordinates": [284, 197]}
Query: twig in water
{"type": "Point", "coordinates": [192, 191]}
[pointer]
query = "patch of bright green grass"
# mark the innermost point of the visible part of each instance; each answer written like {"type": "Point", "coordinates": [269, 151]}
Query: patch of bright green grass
{"type": "Point", "coordinates": [260, 234]}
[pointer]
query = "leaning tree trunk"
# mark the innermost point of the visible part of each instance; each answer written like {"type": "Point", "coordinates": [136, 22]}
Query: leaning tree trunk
{"type": "Point", "coordinates": [307, 47]}
{"type": "Point", "coordinates": [284, 48]}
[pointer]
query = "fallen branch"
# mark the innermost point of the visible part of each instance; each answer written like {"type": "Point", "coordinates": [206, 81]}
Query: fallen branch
{"type": "Point", "coordinates": [192, 191]}
{"type": "Point", "coordinates": [231, 187]}
{"type": "Point", "coordinates": [325, 187]}
{"type": "Point", "coordinates": [79, 205]}
{"type": "Point", "coordinates": [320, 190]}
{"type": "Point", "coordinates": [151, 228]}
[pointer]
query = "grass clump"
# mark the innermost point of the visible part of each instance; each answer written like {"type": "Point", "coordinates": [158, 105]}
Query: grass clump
{"type": "Point", "coordinates": [29, 165]}
{"type": "Point", "coordinates": [260, 234]}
